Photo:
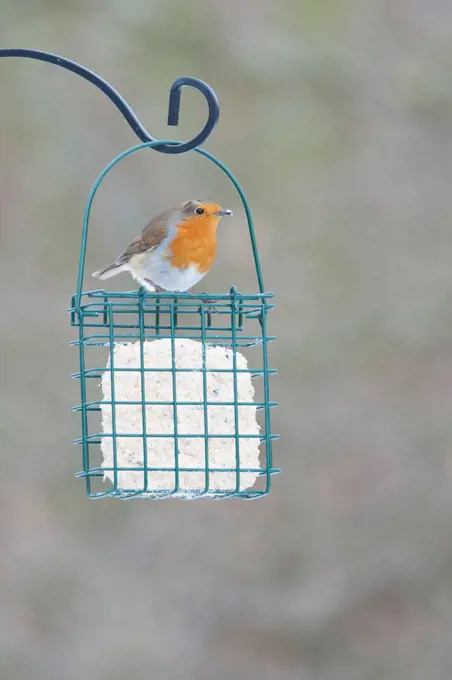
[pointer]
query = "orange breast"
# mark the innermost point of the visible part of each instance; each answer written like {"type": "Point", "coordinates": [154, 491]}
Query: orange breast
{"type": "Point", "coordinates": [195, 244]}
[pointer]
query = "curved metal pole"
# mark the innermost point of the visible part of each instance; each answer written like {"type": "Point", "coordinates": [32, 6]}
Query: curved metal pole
{"type": "Point", "coordinates": [124, 108]}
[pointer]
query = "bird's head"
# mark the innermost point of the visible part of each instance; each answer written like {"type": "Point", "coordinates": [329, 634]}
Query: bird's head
{"type": "Point", "coordinates": [201, 213]}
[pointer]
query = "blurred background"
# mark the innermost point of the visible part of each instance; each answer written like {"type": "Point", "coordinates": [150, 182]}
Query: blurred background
{"type": "Point", "coordinates": [336, 116]}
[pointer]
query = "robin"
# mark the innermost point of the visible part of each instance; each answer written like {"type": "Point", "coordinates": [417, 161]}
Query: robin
{"type": "Point", "coordinates": [175, 250]}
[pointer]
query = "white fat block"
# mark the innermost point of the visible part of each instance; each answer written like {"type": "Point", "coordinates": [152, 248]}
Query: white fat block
{"type": "Point", "coordinates": [190, 417]}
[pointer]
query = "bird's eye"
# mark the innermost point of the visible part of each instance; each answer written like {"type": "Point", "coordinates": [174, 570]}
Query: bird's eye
{"type": "Point", "coordinates": [200, 211]}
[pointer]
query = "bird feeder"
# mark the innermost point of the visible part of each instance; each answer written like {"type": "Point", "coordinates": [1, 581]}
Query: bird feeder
{"type": "Point", "coordinates": [175, 396]}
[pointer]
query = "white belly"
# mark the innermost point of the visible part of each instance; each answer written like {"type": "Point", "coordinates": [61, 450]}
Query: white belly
{"type": "Point", "coordinates": [155, 267]}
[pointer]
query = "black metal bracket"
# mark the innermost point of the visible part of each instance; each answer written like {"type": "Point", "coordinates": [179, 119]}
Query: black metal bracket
{"type": "Point", "coordinates": [124, 108]}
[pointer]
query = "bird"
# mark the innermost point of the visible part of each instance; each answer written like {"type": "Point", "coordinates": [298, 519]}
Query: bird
{"type": "Point", "coordinates": [175, 250]}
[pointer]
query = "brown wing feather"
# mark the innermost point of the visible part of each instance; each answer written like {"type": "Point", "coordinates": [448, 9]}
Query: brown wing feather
{"type": "Point", "coordinates": [151, 237]}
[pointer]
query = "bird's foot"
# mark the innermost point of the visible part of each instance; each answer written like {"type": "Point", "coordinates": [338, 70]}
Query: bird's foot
{"type": "Point", "coordinates": [157, 289]}
{"type": "Point", "coordinates": [210, 307]}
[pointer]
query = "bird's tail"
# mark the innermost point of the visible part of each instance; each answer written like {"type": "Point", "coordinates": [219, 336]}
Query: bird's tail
{"type": "Point", "coordinates": [110, 271]}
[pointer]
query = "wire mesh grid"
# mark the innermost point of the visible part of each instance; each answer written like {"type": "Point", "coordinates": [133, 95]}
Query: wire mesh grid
{"type": "Point", "coordinates": [238, 323]}
{"type": "Point", "coordinates": [158, 456]}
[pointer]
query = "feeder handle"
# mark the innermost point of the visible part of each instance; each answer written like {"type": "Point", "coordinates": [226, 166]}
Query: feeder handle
{"type": "Point", "coordinates": [124, 108]}
{"type": "Point", "coordinates": [132, 150]}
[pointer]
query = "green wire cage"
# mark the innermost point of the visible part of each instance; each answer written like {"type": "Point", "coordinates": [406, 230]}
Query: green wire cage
{"type": "Point", "coordinates": [175, 396]}
{"type": "Point", "coordinates": [238, 325]}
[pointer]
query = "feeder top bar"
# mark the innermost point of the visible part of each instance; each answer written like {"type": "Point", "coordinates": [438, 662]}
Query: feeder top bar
{"type": "Point", "coordinates": [124, 108]}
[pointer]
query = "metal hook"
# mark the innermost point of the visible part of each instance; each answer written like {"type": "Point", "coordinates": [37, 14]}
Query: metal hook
{"type": "Point", "coordinates": [124, 108]}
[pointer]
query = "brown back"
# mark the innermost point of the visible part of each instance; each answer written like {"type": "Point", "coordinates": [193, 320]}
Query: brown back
{"type": "Point", "coordinates": [151, 237]}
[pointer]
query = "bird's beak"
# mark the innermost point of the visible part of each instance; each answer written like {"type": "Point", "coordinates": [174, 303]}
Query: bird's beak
{"type": "Point", "coordinates": [223, 213]}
